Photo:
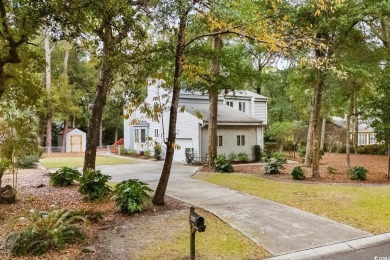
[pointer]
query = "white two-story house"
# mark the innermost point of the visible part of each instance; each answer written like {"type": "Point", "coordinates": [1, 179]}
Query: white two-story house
{"type": "Point", "coordinates": [242, 117]}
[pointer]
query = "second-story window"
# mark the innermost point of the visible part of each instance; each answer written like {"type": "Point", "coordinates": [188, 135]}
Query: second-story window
{"type": "Point", "coordinates": [241, 106]}
{"type": "Point", "coordinates": [229, 103]}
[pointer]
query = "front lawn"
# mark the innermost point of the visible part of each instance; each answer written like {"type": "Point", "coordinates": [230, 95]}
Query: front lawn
{"type": "Point", "coordinates": [57, 162]}
{"type": "Point", "coordinates": [361, 206]}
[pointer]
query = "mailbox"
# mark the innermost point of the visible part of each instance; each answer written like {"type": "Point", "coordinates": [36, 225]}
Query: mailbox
{"type": "Point", "coordinates": [196, 224]}
{"type": "Point", "coordinates": [197, 221]}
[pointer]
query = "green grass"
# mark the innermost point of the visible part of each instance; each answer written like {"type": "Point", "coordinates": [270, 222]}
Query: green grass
{"type": "Point", "coordinates": [57, 162]}
{"type": "Point", "coordinates": [219, 241]}
{"type": "Point", "coordinates": [363, 207]}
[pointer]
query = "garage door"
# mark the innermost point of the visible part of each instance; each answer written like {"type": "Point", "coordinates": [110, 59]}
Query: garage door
{"type": "Point", "coordinates": [183, 143]}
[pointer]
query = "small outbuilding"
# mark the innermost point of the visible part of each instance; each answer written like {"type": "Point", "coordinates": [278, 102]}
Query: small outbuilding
{"type": "Point", "coordinates": [75, 140]}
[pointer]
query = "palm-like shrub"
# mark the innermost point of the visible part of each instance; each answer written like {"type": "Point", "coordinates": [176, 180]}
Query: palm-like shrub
{"type": "Point", "coordinates": [222, 164]}
{"type": "Point", "coordinates": [358, 173]}
{"type": "Point", "coordinates": [273, 166]}
{"type": "Point", "coordinates": [45, 231]}
{"type": "Point", "coordinates": [64, 176]}
{"type": "Point", "coordinates": [93, 185]}
{"type": "Point", "coordinates": [132, 195]}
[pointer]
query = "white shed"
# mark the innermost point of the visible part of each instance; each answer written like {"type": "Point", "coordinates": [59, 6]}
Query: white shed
{"type": "Point", "coordinates": [75, 141]}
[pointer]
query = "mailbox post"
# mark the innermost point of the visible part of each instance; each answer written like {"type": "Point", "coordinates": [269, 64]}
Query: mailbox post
{"type": "Point", "coordinates": [196, 224]}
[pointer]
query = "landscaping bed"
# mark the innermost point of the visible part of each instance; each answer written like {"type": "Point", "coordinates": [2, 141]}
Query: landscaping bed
{"type": "Point", "coordinates": [376, 166]}
{"type": "Point", "coordinates": [160, 232]}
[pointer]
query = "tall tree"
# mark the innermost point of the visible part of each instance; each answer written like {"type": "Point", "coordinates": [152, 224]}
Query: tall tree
{"type": "Point", "coordinates": [20, 21]}
{"type": "Point", "coordinates": [116, 30]}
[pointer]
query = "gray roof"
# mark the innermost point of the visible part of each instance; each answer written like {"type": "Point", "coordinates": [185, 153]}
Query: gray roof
{"type": "Point", "coordinates": [226, 114]}
{"type": "Point", "coordinates": [339, 121]}
{"type": "Point", "coordinates": [246, 94]}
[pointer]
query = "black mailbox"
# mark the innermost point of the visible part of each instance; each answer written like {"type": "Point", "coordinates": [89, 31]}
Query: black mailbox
{"type": "Point", "coordinates": [197, 221]}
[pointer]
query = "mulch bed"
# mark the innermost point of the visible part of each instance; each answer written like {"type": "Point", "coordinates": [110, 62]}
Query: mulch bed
{"type": "Point", "coordinates": [375, 164]}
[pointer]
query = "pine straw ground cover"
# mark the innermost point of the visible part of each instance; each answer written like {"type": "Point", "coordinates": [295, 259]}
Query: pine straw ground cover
{"type": "Point", "coordinates": [158, 233]}
{"type": "Point", "coordinates": [362, 204]}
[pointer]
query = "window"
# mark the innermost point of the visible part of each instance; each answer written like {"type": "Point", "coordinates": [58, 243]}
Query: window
{"type": "Point", "coordinates": [156, 132]}
{"type": "Point", "coordinates": [241, 106]}
{"type": "Point", "coordinates": [140, 135]}
{"type": "Point", "coordinates": [143, 135]}
{"type": "Point", "coordinates": [136, 135]}
{"type": "Point", "coordinates": [229, 103]}
{"type": "Point", "coordinates": [220, 140]}
{"type": "Point", "coordinates": [372, 138]}
{"type": "Point", "coordinates": [362, 139]}
{"type": "Point", "coordinates": [240, 140]}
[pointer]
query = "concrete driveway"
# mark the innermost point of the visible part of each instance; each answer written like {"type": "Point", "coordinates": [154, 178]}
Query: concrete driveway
{"type": "Point", "coordinates": [147, 170]}
{"type": "Point", "coordinates": [278, 228]}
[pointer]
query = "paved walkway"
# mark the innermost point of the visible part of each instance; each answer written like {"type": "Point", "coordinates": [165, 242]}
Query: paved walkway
{"type": "Point", "coordinates": [278, 228]}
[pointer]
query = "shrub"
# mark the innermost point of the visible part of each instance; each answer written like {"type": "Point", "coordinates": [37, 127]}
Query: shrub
{"type": "Point", "coordinates": [242, 157]}
{"type": "Point", "coordinates": [268, 153]}
{"type": "Point", "coordinates": [222, 164]}
{"type": "Point", "coordinates": [147, 153]}
{"type": "Point", "coordinates": [123, 150]}
{"type": "Point", "coordinates": [298, 173]}
{"type": "Point", "coordinates": [190, 155]}
{"type": "Point", "coordinates": [157, 151]}
{"type": "Point", "coordinates": [93, 185]}
{"type": "Point", "coordinates": [132, 195]}
{"type": "Point", "coordinates": [273, 166]}
{"type": "Point", "coordinates": [358, 173]}
{"type": "Point", "coordinates": [331, 170]}
{"type": "Point", "coordinates": [64, 176]}
{"type": "Point", "coordinates": [380, 149]}
{"type": "Point", "coordinates": [46, 230]}
{"type": "Point", "coordinates": [257, 152]}
{"type": "Point", "coordinates": [28, 161]}
{"type": "Point", "coordinates": [280, 157]}
{"type": "Point", "coordinates": [133, 152]}
{"type": "Point", "coordinates": [232, 157]}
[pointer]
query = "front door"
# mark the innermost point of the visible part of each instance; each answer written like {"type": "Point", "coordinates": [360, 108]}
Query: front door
{"type": "Point", "coordinates": [75, 143]}
{"type": "Point", "coordinates": [140, 138]}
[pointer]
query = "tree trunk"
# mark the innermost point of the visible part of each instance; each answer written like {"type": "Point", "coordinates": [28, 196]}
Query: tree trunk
{"type": "Point", "coordinates": [116, 135]}
{"type": "Point", "coordinates": [317, 123]}
{"type": "Point", "coordinates": [213, 99]}
{"type": "Point", "coordinates": [101, 133]}
{"type": "Point", "coordinates": [63, 145]}
{"type": "Point", "coordinates": [347, 140]}
{"type": "Point", "coordinates": [355, 119]}
{"type": "Point", "coordinates": [388, 159]}
{"type": "Point", "coordinates": [48, 89]}
{"type": "Point", "coordinates": [309, 143]}
{"type": "Point", "coordinates": [97, 111]}
{"type": "Point", "coordinates": [323, 133]}
{"type": "Point", "coordinates": [158, 198]}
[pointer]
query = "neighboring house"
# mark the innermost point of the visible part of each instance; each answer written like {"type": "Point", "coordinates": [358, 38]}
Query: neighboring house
{"type": "Point", "coordinates": [75, 140]}
{"type": "Point", "coordinates": [336, 132]}
{"type": "Point", "coordinates": [242, 117]}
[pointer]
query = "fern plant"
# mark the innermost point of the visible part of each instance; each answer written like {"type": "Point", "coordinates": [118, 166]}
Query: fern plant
{"type": "Point", "coordinates": [132, 196]}
{"type": "Point", "coordinates": [64, 176]}
{"type": "Point", "coordinates": [45, 231]}
{"type": "Point", "coordinates": [93, 185]}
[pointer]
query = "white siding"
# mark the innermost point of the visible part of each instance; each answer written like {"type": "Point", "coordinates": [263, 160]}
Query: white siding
{"type": "Point", "coordinates": [261, 111]}
{"type": "Point", "coordinates": [229, 135]}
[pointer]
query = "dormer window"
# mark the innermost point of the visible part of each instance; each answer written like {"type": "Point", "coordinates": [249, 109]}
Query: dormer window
{"type": "Point", "coordinates": [241, 106]}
